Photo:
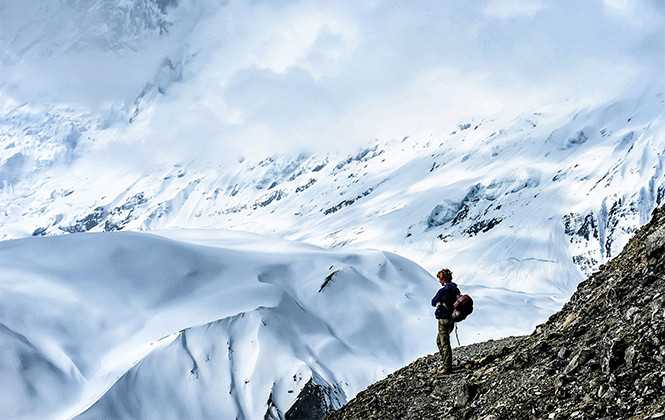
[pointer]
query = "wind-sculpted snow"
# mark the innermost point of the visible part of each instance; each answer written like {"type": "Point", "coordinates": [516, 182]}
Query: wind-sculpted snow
{"type": "Point", "coordinates": [211, 325]}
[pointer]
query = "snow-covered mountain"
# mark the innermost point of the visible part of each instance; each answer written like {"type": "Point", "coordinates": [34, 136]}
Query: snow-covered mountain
{"type": "Point", "coordinates": [521, 205]}
{"type": "Point", "coordinates": [523, 201]}
{"type": "Point", "coordinates": [211, 325]}
{"type": "Point", "coordinates": [529, 204]}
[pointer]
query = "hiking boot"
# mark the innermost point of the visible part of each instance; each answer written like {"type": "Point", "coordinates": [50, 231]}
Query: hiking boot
{"type": "Point", "coordinates": [437, 371]}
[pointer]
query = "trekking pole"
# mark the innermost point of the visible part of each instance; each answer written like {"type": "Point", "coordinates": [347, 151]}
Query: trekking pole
{"type": "Point", "coordinates": [457, 336]}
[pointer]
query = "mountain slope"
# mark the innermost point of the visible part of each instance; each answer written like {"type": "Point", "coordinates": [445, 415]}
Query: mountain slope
{"type": "Point", "coordinates": [212, 325]}
{"type": "Point", "coordinates": [601, 356]}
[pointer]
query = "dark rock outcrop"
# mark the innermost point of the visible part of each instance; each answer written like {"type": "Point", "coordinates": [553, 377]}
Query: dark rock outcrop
{"type": "Point", "coordinates": [317, 399]}
{"type": "Point", "coordinates": [601, 356]}
{"type": "Point", "coordinates": [88, 222]}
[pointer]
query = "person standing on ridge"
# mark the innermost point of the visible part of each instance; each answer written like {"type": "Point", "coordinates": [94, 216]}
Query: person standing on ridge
{"type": "Point", "coordinates": [443, 301]}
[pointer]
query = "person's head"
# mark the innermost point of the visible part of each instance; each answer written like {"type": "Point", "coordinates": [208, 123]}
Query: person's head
{"type": "Point", "coordinates": [444, 275]}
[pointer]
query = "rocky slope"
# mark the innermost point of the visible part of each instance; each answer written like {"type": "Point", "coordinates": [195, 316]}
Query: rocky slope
{"type": "Point", "coordinates": [601, 356]}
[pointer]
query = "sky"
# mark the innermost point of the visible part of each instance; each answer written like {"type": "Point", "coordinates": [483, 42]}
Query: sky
{"type": "Point", "coordinates": [274, 75]}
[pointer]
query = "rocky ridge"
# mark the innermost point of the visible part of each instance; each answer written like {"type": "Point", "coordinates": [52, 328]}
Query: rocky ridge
{"type": "Point", "coordinates": [601, 356]}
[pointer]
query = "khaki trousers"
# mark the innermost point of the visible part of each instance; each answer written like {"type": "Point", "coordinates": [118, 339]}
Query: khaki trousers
{"type": "Point", "coordinates": [443, 342]}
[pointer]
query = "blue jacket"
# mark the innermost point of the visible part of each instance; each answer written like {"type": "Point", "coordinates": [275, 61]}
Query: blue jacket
{"type": "Point", "coordinates": [446, 295]}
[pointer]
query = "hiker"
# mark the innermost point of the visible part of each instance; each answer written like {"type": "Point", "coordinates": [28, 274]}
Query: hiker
{"type": "Point", "coordinates": [444, 300]}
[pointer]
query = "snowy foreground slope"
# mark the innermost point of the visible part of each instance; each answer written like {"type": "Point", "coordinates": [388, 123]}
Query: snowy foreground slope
{"type": "Point", "coordinates": [207, 325]}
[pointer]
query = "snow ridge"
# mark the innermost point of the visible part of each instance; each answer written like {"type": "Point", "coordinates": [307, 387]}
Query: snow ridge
{"type": "Point", "coordinates": [136, 325]}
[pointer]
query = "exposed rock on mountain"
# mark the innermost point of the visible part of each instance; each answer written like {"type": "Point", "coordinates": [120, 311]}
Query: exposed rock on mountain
{"type": "Point", "coordinates": [316, 399]}
{"type": "Point", "coordinates": [601, 356]}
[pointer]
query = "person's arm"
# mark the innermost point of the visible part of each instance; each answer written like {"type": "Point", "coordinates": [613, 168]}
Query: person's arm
{"type": "Point", "coordinates": [437, 297]}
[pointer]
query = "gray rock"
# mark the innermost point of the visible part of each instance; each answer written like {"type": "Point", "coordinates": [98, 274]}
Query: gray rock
{"type": "Point", "coordinates": [443, 213]}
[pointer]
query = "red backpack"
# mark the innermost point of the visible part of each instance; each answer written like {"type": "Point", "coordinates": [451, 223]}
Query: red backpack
{"type": "Point", "coordinates": [462, 307]}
